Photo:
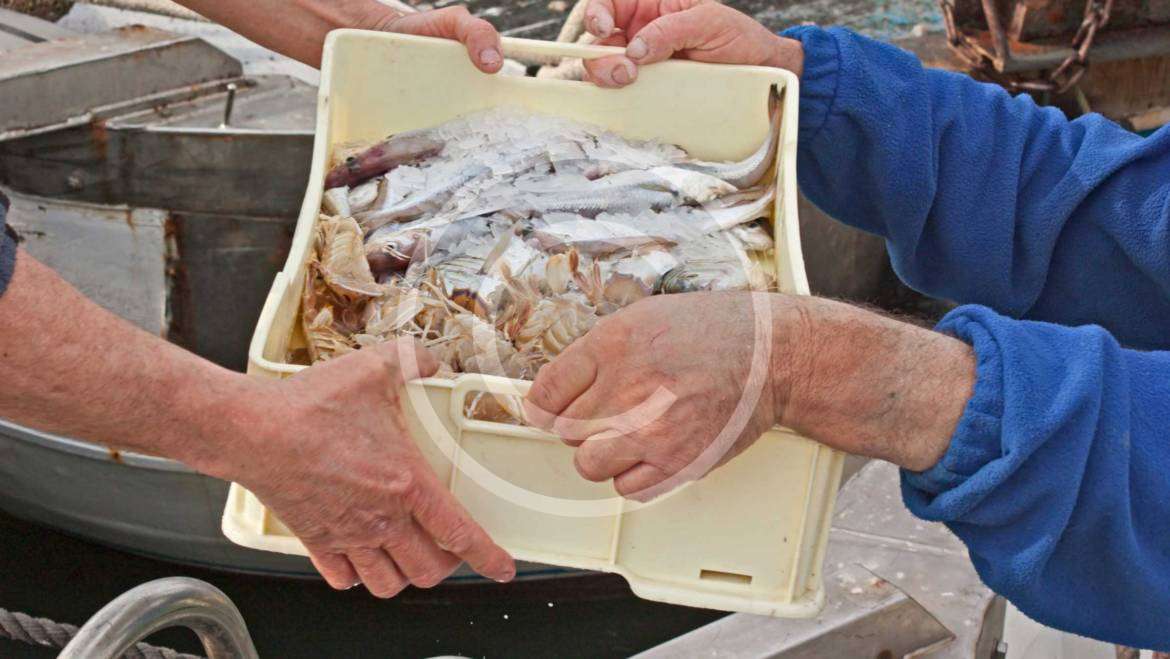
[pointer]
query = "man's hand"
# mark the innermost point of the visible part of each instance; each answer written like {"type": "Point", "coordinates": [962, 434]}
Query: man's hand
{"type": "Point", "coordinates": [297, 28]}
{"type": "Point", "coordinates": [327, 450]}
{"type": "Point", "coordinates": [667, 389]}
{"type": "Point", "coordinates": [664, 390]}
{"type": "Point", "coordinates": [700, 30]}
{"type": "Point", "coordinates": [340, 469]}
{"type": "Point", "coordinates": [479, 36]}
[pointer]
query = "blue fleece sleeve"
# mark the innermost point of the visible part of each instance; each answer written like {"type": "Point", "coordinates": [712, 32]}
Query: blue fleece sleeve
{"type": "Point", "coordinates": [986, 198]}
{"type": "Point", "coordinates": [7, 247]}
{"type": "Point", "coordinates": [1058, 477]}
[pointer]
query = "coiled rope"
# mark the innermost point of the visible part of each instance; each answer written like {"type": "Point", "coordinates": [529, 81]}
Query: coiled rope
{"type": "Point", "coordinates": [21, 627]}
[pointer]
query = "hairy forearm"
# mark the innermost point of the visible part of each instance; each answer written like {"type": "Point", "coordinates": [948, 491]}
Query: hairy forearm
{"type": "Point", "coordinates": [70, 367]}
{"type": "Point", "coordinates": [871, 385]}
{"type": "Point", "coordinates": [296, 28]}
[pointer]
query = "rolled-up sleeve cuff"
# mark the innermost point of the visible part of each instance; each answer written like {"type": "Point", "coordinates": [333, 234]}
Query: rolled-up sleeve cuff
{"type": "Point", "coordinates": [818, 82]}
{"type": "Point", "coordinates": [7, 248]}
{"type": "Point", "coordinates": [977, 438]}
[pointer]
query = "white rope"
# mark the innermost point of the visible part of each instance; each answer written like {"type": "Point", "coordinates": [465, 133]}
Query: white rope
{"type": "Point", "coordinates": [21, 627]}
{"type": "Point", "coordinates": [573, 31]}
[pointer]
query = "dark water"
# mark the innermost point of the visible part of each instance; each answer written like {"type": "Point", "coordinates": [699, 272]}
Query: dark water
{"type": "Point", "coordinates": [47, 574]}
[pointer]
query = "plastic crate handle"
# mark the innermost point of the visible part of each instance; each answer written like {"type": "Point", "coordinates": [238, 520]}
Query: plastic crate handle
{"type": "Point", "coordinates": [474, 383]}
{"type": "Point", "coordinates": [551, 52]}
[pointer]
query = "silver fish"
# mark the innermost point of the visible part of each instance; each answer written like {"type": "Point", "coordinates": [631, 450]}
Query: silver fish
{"type": "Point", "coordinates": [421, 202]}
{"type": "Point", "coordinates": [692, 187]}
{"type": "Point", "coordinates": [724, 213]}
{"type": "Point", "coordinates": [603, 201]}
{"type": "Point", "coordinates": [365, 196]}
{"type": "Point", "coordinates": [382, 157]}
{"type": "Point", "coordinates": [335, 201]}
{"type": "Point", "coordinates": [748, 172]}
{"type": "Point", "coordinates": [754, 237]}
{"type": "Point", "coordinates": [595, 237]}
{"type": "Point", "coordinates": [715, 263]}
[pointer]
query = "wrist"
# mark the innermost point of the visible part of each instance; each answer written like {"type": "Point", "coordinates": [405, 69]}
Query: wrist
{"type": "Point", "coordinates": [871, 385]}
{"type": "Point", "coordinates": [793, 339]}
{"type": "Point", "coordinates": [373, 15]}
{"type": "Point", "coordinates": [787, 54]}
{"type": "Point", "coordinates": [226, 424]}
{"type": "Point", "coordinates": [359, 14]}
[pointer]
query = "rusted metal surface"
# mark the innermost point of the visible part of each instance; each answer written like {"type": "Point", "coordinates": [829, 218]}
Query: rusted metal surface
{"type": "Point", "coordinates": [1033, 20]}
{"type": "Point", "coordinates": [1047, 45]}
{"type": "Point", "coordinates": [989, 53]}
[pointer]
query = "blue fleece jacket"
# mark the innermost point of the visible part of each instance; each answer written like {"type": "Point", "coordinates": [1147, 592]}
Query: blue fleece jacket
{"type": "Point", "coordinates": [1056, 234]}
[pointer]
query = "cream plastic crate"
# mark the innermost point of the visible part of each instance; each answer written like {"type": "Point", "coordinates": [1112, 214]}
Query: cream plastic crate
{"type": "Point", "coordinates": [751, 536]}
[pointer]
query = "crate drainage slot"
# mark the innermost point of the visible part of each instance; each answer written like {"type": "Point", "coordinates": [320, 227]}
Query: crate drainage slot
{"type": "Point", "coordinates": [726, 577]}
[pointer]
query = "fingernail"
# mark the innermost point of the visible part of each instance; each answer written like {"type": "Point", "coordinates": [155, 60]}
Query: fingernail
{"type": "Point", "coordinates": [637, 49]}
{"type": "Point", "coordinates": [602, 24]}
{"type": "Point", "coordinates": [620, 74]}
{"type": "Point", "coordinates": [489, 57]}
{"type": "Point", "coordinates": [353, 585]}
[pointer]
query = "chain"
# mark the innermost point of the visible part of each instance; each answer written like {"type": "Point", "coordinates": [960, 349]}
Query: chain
{"type": "Point", "coordinates": [1058, 80]}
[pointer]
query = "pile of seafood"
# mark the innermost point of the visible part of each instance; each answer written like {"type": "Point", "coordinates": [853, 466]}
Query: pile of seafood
{"type": "Point", "coordinates": [499, 238]}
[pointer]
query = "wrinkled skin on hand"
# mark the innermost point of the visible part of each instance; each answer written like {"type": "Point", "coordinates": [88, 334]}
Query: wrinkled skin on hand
{"type": "Point", "coordinates": [699, 30]}
{"type": "Point", "coordinates": [343, 473]}
{"type": "Point", "coordinates": [477, 35]}
{"type": "Point", "coordinates": [655, 396]}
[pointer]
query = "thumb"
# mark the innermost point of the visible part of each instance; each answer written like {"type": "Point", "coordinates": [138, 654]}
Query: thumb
{"type": "Point", "coordinates": [479, 36]}
{"type": "Point", "coordinates": [558, 384]}
{"type": "Point", "coordinates": [414, 361]}
{"type": "Point", "coordinates": [670, 34]}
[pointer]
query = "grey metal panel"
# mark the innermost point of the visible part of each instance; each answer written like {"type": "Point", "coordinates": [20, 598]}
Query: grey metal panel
{"type": "Point", "coordinates": [160, 509]}
{"type": "Point", "coordinates": [895, 586]}
{"type": "Point", "coordinates": [268, 103]}
{"type": "Point", "coordinates": [53, 81]}
{"type": "Point", "coordinates": [185, 164]}
{"type": "Point", "coordinates": [9, 41]}
{"type": "Point", "coordinates": [115, 256]}
{"type": "Point", "coordinates": [141, 504]}
{"type": "Point", "coordinates": [31, 29]}
{"type": "Point", "coordinates": [223, 269]}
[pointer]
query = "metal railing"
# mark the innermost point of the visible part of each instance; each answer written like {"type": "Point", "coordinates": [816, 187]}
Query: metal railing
{"type": "Point", "coordinates": [158, 605]}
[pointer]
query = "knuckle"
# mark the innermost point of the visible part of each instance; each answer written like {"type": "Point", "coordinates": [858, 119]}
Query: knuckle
{"type": "Point", "coordinates": [653, 33]}
{"type": "Point", "coordinates": [429, 578]}
{"type": "Point", "coordinates": [386, 591]}
{"type": "Point", "coordinates": [404, 486]}
{"type": "Point", "coordinates": [544, 390]}
{"type": "Point", "coordinates": [392, 532]}
{"type": "Point", "coordinates": [460, 539]}
{"type": "Point", "coordinates": [458, 12]}
{"type": "Point", "coordinates": [587, 466]}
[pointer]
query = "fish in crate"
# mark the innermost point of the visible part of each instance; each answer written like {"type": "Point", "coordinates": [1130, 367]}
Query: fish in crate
{"type": "Point", "coordinates": [499, 238]}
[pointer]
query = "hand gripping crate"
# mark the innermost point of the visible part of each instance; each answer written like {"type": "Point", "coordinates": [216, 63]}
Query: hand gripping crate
{"type": "Point", "coordinates": [749, 537]}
